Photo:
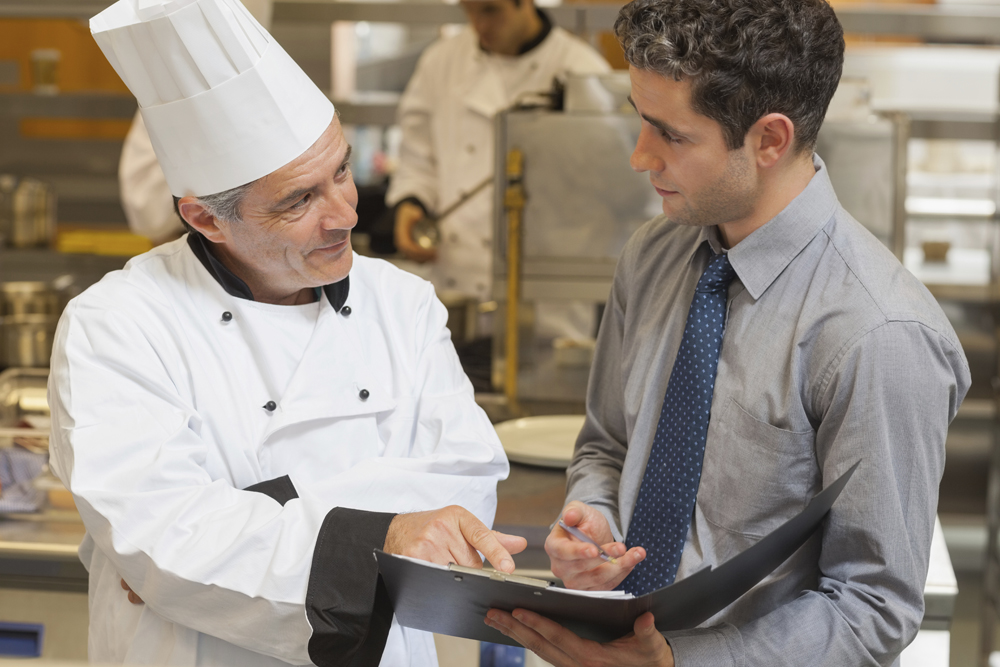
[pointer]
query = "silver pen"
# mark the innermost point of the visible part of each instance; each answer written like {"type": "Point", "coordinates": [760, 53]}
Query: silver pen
{"type": "Point", "coordinates": [583, 537]}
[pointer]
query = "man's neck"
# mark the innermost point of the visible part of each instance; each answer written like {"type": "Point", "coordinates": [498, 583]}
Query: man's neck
{"type": "Point", "coordinates": [777, 193]}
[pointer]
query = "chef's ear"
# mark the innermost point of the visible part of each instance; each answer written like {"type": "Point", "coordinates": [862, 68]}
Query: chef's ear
{"type": "Point", "coordinates": [200, 218]}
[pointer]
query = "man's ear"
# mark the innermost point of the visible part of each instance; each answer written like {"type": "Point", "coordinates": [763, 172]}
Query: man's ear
{"type": "Point", "coordinates": [201, 219]}
{"type": "Point", "coordinates": [772, 137]}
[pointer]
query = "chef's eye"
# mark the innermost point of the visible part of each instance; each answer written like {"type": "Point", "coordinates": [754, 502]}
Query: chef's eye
{"type": "Point", "coordinates": [302, 202]}
{"type": "Point", "coordinates": [344, 169]}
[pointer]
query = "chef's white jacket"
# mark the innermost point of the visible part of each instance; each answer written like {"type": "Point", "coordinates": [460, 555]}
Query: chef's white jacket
{"type": "Point", "coordinates": [157, 389]}
{"type": "Point", "coordinates": [447, 114]}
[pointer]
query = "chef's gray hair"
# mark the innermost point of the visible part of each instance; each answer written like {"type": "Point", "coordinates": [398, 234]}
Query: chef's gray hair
{"type": "Point", "coordinates": [743, 58]}
{"type": "Point", "coordinates": [227, 205]}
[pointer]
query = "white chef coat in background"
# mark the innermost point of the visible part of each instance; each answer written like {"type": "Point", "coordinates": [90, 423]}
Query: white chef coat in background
{"type": "Point", "coordinates": [447, 115]}
{"type": "Point", "coordinates": [158, 422]}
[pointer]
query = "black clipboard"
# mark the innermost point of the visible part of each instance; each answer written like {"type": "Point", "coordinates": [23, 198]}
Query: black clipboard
{"type": "Point", "coordinates": [454, 601]}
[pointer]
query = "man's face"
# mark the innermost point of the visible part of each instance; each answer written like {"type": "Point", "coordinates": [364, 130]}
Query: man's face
{"type": "Point", "coordinates": [501, 25]}
{"type": "Point", "coordinates": [297, 221]}
{"type": "Point", "coordinates": [701, 181]}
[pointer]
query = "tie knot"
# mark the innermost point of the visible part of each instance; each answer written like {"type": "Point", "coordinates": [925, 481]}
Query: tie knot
{"type": "Point", "coordinates": [717, 276]}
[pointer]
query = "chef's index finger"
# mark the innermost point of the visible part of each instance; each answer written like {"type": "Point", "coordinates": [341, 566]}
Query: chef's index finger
{"type": "Point", "coordinates": [482, 538]}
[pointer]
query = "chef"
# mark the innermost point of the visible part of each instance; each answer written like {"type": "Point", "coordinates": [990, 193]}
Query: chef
{"type": "Point", "coordinates": [509, 52]}
{"type": "Point", "coordinates": [243, 415]}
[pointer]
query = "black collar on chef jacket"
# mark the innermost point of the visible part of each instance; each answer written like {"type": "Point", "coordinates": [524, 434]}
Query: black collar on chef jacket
{"type": "Point", "coordinates": [546, 29]}
{"type": "Point", "coordinates": [234, 285]}
{"type": "Point", "coordinates": [534, 43]}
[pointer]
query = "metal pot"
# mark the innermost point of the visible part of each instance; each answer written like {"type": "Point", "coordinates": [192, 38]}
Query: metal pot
{"type": "Point", "coordinates": [34, 215]}
{"type": "Point", "coordinates": [26, 340]}
{"type": "Point", "coordinates": [464, 315]}
{"type": "Point", "coordinates": [28, 298]}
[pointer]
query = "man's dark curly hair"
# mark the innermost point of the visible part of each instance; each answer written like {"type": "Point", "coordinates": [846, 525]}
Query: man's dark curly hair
{"type": "Point", "coordinates": [743, 58]}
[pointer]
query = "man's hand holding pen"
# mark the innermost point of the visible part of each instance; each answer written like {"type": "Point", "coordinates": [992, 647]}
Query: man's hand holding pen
{"type": "Point", "coordinates": [578, 563]}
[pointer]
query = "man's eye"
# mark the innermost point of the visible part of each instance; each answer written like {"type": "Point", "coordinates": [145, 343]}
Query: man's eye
{"type": "Point", "coordinates": [671, 138]}
{"type": "Point", "coordinates": [302, 202]}
{"type": "Point", "coordinates": [344, 168]}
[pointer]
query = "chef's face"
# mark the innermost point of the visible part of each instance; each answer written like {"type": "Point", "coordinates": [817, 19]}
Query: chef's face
{"type": "Point", "coordinates": [296, 228]}
{"type": "Point", "coordinates": [501, 25]}
{"type": "Point", "coordinates": [701, 181]}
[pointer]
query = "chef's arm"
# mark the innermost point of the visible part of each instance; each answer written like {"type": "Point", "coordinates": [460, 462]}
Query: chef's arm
{"type": "Point", "coordinates": [145, 196]}
{"type": "Point", "coordinates": [887, 404]}
{"type": "Point", "coordinates": [416, 174]}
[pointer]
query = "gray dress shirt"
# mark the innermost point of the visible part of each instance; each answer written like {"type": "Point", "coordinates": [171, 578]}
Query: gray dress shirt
{"type": "Point", "coordinates": [833, 353]}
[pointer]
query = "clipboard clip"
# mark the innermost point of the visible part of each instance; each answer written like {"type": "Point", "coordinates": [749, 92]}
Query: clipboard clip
{"type": "Point", "coordinates": [496, 575]}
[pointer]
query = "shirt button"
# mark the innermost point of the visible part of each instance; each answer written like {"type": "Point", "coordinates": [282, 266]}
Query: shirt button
{"type": "Point", "coordinates": [346, 311]}
{"type": "Point", "coordinates": [364, 394]}
{"type": "Point", "coordinates": [470, 148]}
{"type": "Point", "coordinates": [227, 316]}
{"type": "Point", "coordinates": [270, 406]}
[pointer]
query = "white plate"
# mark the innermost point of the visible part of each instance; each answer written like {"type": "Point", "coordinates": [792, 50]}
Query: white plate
{"type": "Point", "coordinates": [541, 441]}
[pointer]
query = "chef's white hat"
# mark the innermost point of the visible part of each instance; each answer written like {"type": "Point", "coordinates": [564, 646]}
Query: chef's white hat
{"type": "Point", "coordinates": [223, 103]}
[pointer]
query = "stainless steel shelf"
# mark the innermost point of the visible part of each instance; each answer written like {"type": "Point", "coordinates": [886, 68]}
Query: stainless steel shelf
{"type": "Point", "coordinates": [53, 9]}
{"type": "Point", "coordinates": [368, 109]}
{"type": "Point", "coordinates": [934, 22]}
{"type": "Point", "coordinates": [70, 105]}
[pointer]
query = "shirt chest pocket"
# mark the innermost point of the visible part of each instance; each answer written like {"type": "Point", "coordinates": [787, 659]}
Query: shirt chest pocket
{"type": "Point", "coordinates": [756, 476]}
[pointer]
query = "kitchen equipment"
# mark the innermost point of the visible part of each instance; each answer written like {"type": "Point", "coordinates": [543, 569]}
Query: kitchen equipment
{"type": "Point", "coordinates": [29, 312]}
{"type": "Point", "coordinates": [8, 184]}
{"type": "Point", "coordinates": [28, 298]}
{"type": "Point", "coordinates": [34, 214]}
{"type": "Point", "coordinates": [427, 232]}
{"type": "Point", "coordinates": [542, 441]}
{"type": "Point", "coordinates": [463, 314]}
{"type": "Point", "coordinates": [26, 340]}
{"type": "Point", "coordinates": [45, 71]}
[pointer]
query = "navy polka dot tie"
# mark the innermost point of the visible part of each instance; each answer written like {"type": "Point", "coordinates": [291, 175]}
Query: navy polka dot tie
{"type": "Point", "coordinates": [670, 484]}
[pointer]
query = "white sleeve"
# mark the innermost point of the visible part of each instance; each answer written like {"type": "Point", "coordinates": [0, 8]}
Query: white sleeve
{"type": "Point", "coordinates": [145, 197]}
{"type": "Point", "coordinates": [417, 172]}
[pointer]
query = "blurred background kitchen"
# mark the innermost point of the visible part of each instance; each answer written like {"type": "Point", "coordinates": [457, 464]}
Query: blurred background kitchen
{"type": "Point", "coordinates": [910, 142]}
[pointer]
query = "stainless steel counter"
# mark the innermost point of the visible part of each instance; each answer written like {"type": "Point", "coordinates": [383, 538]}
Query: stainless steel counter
{"type": "Point", "coordinates": [39, 552]}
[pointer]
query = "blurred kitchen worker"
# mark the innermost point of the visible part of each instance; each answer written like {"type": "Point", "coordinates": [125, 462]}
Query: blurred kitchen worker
{"type": "Point", "coordinates": [245, 413]}
{"type": "Point", "coordinates": [509, 50]}
{"type": "Point", "coordinates": [142, 187]}
{"type": "Point", "coordinates": [757, 343]}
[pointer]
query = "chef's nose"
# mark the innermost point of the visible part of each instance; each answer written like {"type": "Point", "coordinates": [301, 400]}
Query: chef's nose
{"type": "Point", "coordinates": [340, 210]}
{"type": "Point", "coordinates": [643, 158]}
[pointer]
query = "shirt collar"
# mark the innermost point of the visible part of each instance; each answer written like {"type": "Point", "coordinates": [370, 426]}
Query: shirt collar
{"type": "Point", "coordinates": [537, 40]}
{"type": "Point", "coordinates": [234, 285]}
{"type": "Point", "coordinates": [761, 257]}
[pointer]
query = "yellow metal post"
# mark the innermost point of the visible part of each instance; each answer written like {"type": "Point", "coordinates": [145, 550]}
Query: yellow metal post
{"type": "Point", "coordinates": [514, 200]}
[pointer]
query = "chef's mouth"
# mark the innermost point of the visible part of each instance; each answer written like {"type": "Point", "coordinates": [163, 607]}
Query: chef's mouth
{"type": "Point", "coordinates": [336, 244]}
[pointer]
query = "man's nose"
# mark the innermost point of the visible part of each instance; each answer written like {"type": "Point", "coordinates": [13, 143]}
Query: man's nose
{"type": "Point", "coordinates": [642, 158]}
{"type": "Point", "coordinates": [340, 210]}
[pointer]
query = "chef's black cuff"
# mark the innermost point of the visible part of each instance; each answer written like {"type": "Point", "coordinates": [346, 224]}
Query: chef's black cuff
{"type": "Point", "coordinates": [347, 605]}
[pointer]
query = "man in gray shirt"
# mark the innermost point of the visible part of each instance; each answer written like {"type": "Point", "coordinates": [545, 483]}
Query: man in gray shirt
{"type": "Point", "coordinates": [698, 443]}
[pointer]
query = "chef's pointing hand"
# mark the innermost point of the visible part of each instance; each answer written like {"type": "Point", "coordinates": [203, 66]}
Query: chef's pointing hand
{"type": "Point", "coordinates": [578, 563]}
{"type": "Point", "coordinates": [451, 535]}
